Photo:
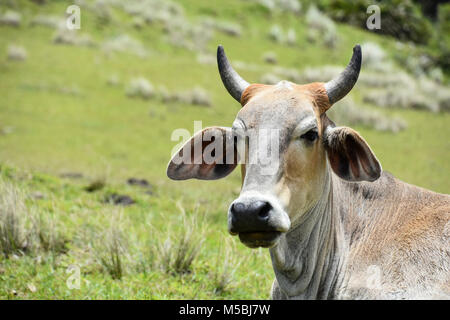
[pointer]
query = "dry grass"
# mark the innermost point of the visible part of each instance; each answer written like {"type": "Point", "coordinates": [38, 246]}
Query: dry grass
{"type": "Point", "coordinates": [110, 248]}
{"type": "Point", "coordinates": [181, 247]}
{"type": "Point", "coordinates": [14, 221]}
{"type": "Point", "coordinates": [226, 265]}
{"type": "Point", "coordinates": [23, 230]}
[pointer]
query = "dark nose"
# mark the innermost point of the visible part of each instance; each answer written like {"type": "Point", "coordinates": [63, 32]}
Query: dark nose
{"type": "Point", "coordinates": [251, 217]}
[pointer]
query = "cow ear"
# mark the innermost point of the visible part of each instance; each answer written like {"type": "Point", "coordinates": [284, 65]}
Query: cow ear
{"type": "Point", "coordinates": [210, 154]}
{"type": "Point", "coordinates": [350, 156]}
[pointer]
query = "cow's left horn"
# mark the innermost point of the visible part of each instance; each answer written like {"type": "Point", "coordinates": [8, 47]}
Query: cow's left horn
{"type": "Point", "coordinates": [344, 82]}
{"type": "Point", "coordinates": [230, 78]}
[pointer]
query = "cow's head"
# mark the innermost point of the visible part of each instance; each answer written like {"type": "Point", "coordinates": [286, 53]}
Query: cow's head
{"type": "Point", "coordinates": [286, 145]}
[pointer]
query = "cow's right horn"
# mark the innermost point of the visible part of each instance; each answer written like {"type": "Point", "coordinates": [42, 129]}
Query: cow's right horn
{"type": "Point", "coordinates": [230, 78]}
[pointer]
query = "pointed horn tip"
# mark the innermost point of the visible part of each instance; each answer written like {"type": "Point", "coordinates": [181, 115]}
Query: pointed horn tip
{"type": "Point", "coordinates": [357, 52]}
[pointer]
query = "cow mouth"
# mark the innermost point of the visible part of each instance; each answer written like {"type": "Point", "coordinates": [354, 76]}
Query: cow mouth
{"type": "Point", "coordinates": [265, 239]}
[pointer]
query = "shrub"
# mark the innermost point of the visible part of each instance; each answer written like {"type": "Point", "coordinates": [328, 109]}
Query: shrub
{"type": "Point", "coordinates": [400, 98]}
{"type": "Point", "coordinates": [200, 96]}
{"type": "Point", "coordinates": [124, 43]}
{"type": "Point", "coordinates": [399, 18]}
{"type": "Point", "coordinates": [229, 28]}
{"type": "Point", "coordinates": [291, 37]}
{"type": "Point", "coordinates": [270, 78]}
{"type": "Point", "coordinates": [17, 53]}
{"type": "Point", "coordinates": [321, 28]}
{"type": "Point", "coordinates": [270, 57]}
{"type": "Point", "coordinates": [140, 88]}
{"type": "Point", "coordinates": [195, 96]}
{"type": "Point", "coordinates": [71, 37]}
{"type": "Point", "coordinates": [292, 6]}
{"type": "Point", "coordinates": [346, 112]}
{"type": "Point", "coordinates": [287, 6]}
{"type": "Point", "coordinates": [113, 80]}
{"type": "Point", "coordinates": [276, 34]}
{"type": "Point", "coordinates": [206, 59]}
{"type": "Point", "coordinates": [53, 22]}
{"type": "Point", "coordinates": [11, 18]}
{"type": "Point", "coordinates": [373, 56]}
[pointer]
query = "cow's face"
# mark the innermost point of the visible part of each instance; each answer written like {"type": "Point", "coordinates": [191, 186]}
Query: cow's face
{"type": "Point", "coordinates": [285, 144]}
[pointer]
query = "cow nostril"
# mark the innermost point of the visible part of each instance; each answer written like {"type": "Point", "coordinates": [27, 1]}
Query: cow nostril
{"type": "Point", "coordinates": [264, 211]}
{"type": "Point", "coordinates": [259, 209]}
{"type": "Point", "coordinates": [238, 207]}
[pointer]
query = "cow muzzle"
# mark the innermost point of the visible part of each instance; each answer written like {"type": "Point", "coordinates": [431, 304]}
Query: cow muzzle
{"type": "Point", "coordinates": [258, 221]}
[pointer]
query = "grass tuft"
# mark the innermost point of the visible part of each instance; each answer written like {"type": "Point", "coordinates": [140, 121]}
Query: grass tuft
{"type": "Point", "coordinates": [226, 265]}
{"type": "Point", "coordinates": [180, 248]}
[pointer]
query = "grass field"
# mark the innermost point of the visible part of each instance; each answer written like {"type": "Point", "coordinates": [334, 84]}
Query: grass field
{"type": "Point", "coordinates": [65, 128]}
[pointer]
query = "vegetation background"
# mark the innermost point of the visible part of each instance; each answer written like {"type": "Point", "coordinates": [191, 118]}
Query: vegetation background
{"type": "Point", "coordinates": [86, 117]}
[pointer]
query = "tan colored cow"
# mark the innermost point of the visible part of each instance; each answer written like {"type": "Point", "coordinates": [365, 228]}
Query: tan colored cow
{"type": "Point", "coordinates": [337, 226]}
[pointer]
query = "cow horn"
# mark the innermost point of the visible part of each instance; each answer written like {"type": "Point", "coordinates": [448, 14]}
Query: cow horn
{"type": "Point", "coordinates": [344, 82]}
{"type": "Point", "coordinates": [230, 78]}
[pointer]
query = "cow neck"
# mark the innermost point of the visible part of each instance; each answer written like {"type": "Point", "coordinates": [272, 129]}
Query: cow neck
{"type": "Point", "coordinates": [308, 259]}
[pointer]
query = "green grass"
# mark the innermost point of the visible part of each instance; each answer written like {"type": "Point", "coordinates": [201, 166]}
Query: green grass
{"type": "Point", "coordinates": [103, 134]}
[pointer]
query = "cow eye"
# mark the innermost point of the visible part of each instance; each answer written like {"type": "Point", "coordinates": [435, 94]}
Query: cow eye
{"type": "Point", "coordinates": [310, 136]}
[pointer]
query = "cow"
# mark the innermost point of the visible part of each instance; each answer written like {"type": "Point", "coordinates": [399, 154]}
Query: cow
{"type": "Point", "coordinates": [337, 226]}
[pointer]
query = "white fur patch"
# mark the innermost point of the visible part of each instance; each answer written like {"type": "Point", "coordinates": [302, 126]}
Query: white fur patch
{"type": "Point", "coordinates": [285, 84]}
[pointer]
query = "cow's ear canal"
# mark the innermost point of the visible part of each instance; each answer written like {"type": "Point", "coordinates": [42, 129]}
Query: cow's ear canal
{"type": "Point", "coordinates": [350, 156]}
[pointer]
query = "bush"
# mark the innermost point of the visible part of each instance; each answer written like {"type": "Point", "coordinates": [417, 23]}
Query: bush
{"type": "Point", "coordinates": [71, 37]}
{"type": "Point", "coordinates": [140, 88]}
{"type": "Point", "coordinates": [125, 43]}
{"type": "Point", "coordinates": [291, 37]}
{"type": "Point", "coordinates": [11, 18]}
{"type": "Point", "coordinates": [270, 78]}
{"type": "Point", "coordinates": [373, 56]}
{"type": "Point", "coordinates": [321, 28]}
{"type": "Point", "coordinates": [17, 53]}
{"type": "Point", "coordinates": [53, 22]}
{"type": "Point", "coordinates": [346, 112]}
{"type": "Point", "coordinates": [195, 96]}
{"type": "Point", "coordinates": [270, 57]}
{"type": "Point", "coordinates": [401, 19]}
{"type": "Point", "coordinates": [276, 34]}
{"type": "Point", "coordinates": [287, 6]}
{"type": "Point", "coordinates": [230, 28]}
